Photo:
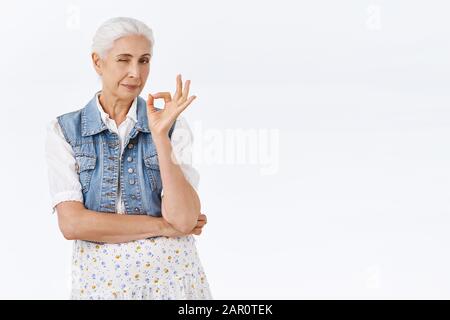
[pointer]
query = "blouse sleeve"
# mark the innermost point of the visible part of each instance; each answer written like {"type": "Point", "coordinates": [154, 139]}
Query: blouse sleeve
{"type": "Point", "coordinates": [63, 179]}
{"type": "Point", "coordinates": [182, 144]}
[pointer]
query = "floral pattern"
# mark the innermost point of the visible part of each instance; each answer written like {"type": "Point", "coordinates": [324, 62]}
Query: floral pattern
{"type": "Point", "coordinates": [161, 268]}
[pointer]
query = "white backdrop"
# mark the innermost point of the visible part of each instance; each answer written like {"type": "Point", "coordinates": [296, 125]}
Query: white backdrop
{"type": "Point", "coordinates": [322, 139]}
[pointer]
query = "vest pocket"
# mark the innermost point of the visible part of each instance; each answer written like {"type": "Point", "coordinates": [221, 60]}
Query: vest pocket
{"type": "Point", "coordinates": [153, 171]}
{"type": "Point", "coordinates": [85, 167]}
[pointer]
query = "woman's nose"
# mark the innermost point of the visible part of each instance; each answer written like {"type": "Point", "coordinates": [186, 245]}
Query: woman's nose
{"type": "Point", "coordinates": [134, 70]}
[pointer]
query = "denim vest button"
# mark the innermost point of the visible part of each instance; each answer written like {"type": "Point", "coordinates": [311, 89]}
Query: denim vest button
{"type": "Point", "coordinates": [133, 197]}
{"type": "Point", "coordinates": [130, 146]}
{"type": "Point", "coordinates": [130, 159]}
{"type": "Point", "coordinates": [130, 170]}
{"type": "Point", "coordinates": [131, 181]}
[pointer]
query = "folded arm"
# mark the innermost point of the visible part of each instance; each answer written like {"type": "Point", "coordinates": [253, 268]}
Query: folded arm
{"type": "Point", "coordinates": [77, 222]}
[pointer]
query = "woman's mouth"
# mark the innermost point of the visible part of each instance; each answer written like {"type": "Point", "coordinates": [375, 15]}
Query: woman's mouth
{"type": "Point", "coordinates": [130, 87]}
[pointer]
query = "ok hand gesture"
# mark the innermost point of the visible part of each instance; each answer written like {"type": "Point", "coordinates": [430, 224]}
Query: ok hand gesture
{"type": "Point", "coordinates": [160, 122]}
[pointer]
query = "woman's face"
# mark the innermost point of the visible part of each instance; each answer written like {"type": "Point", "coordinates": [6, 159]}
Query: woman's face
{"type": "Point", "coordinates": [125, 68]}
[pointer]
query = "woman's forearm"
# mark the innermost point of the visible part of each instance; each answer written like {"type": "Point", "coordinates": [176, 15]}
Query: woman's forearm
{"type": "Point", "coordinates": [181, 204]}
{"type": "Point", "coordinates": [121, 239]}
{"type": "Point", "coordinates": [106, 227]}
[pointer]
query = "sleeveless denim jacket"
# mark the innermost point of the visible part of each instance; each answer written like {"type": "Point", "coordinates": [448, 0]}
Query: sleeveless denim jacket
{"type": "Point", "coordinates": [100, 165]}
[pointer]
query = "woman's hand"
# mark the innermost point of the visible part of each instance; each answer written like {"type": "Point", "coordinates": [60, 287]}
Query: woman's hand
{"type": "Point", "coordinates": [170, 231]}
{"type": "Point", "coordinates": [160, 122]}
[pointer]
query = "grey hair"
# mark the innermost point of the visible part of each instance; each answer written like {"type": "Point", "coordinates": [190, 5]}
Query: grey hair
{"type": "Point", "coordinates": [116, 28]}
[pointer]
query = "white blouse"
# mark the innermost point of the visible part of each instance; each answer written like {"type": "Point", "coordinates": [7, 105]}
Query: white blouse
{"type": "Point", "coordinates": [63, 178]}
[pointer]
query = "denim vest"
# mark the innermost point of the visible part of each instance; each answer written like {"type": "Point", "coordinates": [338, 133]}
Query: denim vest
{"type": "Point", "coordinates": [100, 165]}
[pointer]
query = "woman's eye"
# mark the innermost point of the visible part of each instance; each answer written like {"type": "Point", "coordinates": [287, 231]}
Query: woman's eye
{"type": "Point", "coordinates": [122, 60]}
{"type": "Point", "coordinates": [144, 61]}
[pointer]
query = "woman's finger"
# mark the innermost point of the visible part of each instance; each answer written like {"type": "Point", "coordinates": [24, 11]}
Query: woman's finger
{"type": "Point", "coordinates": [164, 95]}
{"type": "Point", "coordinates": [177, 95]}
{"type": "Point", "coordinates": [150, 102]}
{"type": "Point", "coordinates": [200, 224]}
{"type": "Point", "coordinates": [184, 105]}
{"type": "Point", "coordinates": [187, 85]}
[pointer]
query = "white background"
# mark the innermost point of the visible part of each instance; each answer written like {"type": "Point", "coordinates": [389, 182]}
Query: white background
{"type": "Point", "coordinates": [356, 90]}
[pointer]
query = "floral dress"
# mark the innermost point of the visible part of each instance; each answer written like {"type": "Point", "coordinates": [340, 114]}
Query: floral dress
{"type": "Point", "coordinates": [153, 268]}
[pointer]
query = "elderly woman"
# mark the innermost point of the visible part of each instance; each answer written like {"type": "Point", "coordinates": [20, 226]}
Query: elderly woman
{"type": "Point", "coordinates": [118, 184]}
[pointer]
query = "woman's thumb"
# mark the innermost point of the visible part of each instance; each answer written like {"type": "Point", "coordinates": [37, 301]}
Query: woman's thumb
{"type": "Point", "coordinates": [150, 101]}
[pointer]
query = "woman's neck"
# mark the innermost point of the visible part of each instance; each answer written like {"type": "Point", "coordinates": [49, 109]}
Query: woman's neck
{"type": "Point", "coordinates": [116, 108]}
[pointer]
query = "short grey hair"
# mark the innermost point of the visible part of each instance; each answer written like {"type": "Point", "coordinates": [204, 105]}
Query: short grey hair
{"type": "Point", "coordinates": [116, 28]}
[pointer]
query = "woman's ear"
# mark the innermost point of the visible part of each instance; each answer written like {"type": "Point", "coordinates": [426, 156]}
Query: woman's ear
{"type": "Point", "coordinates": [96, 61]}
